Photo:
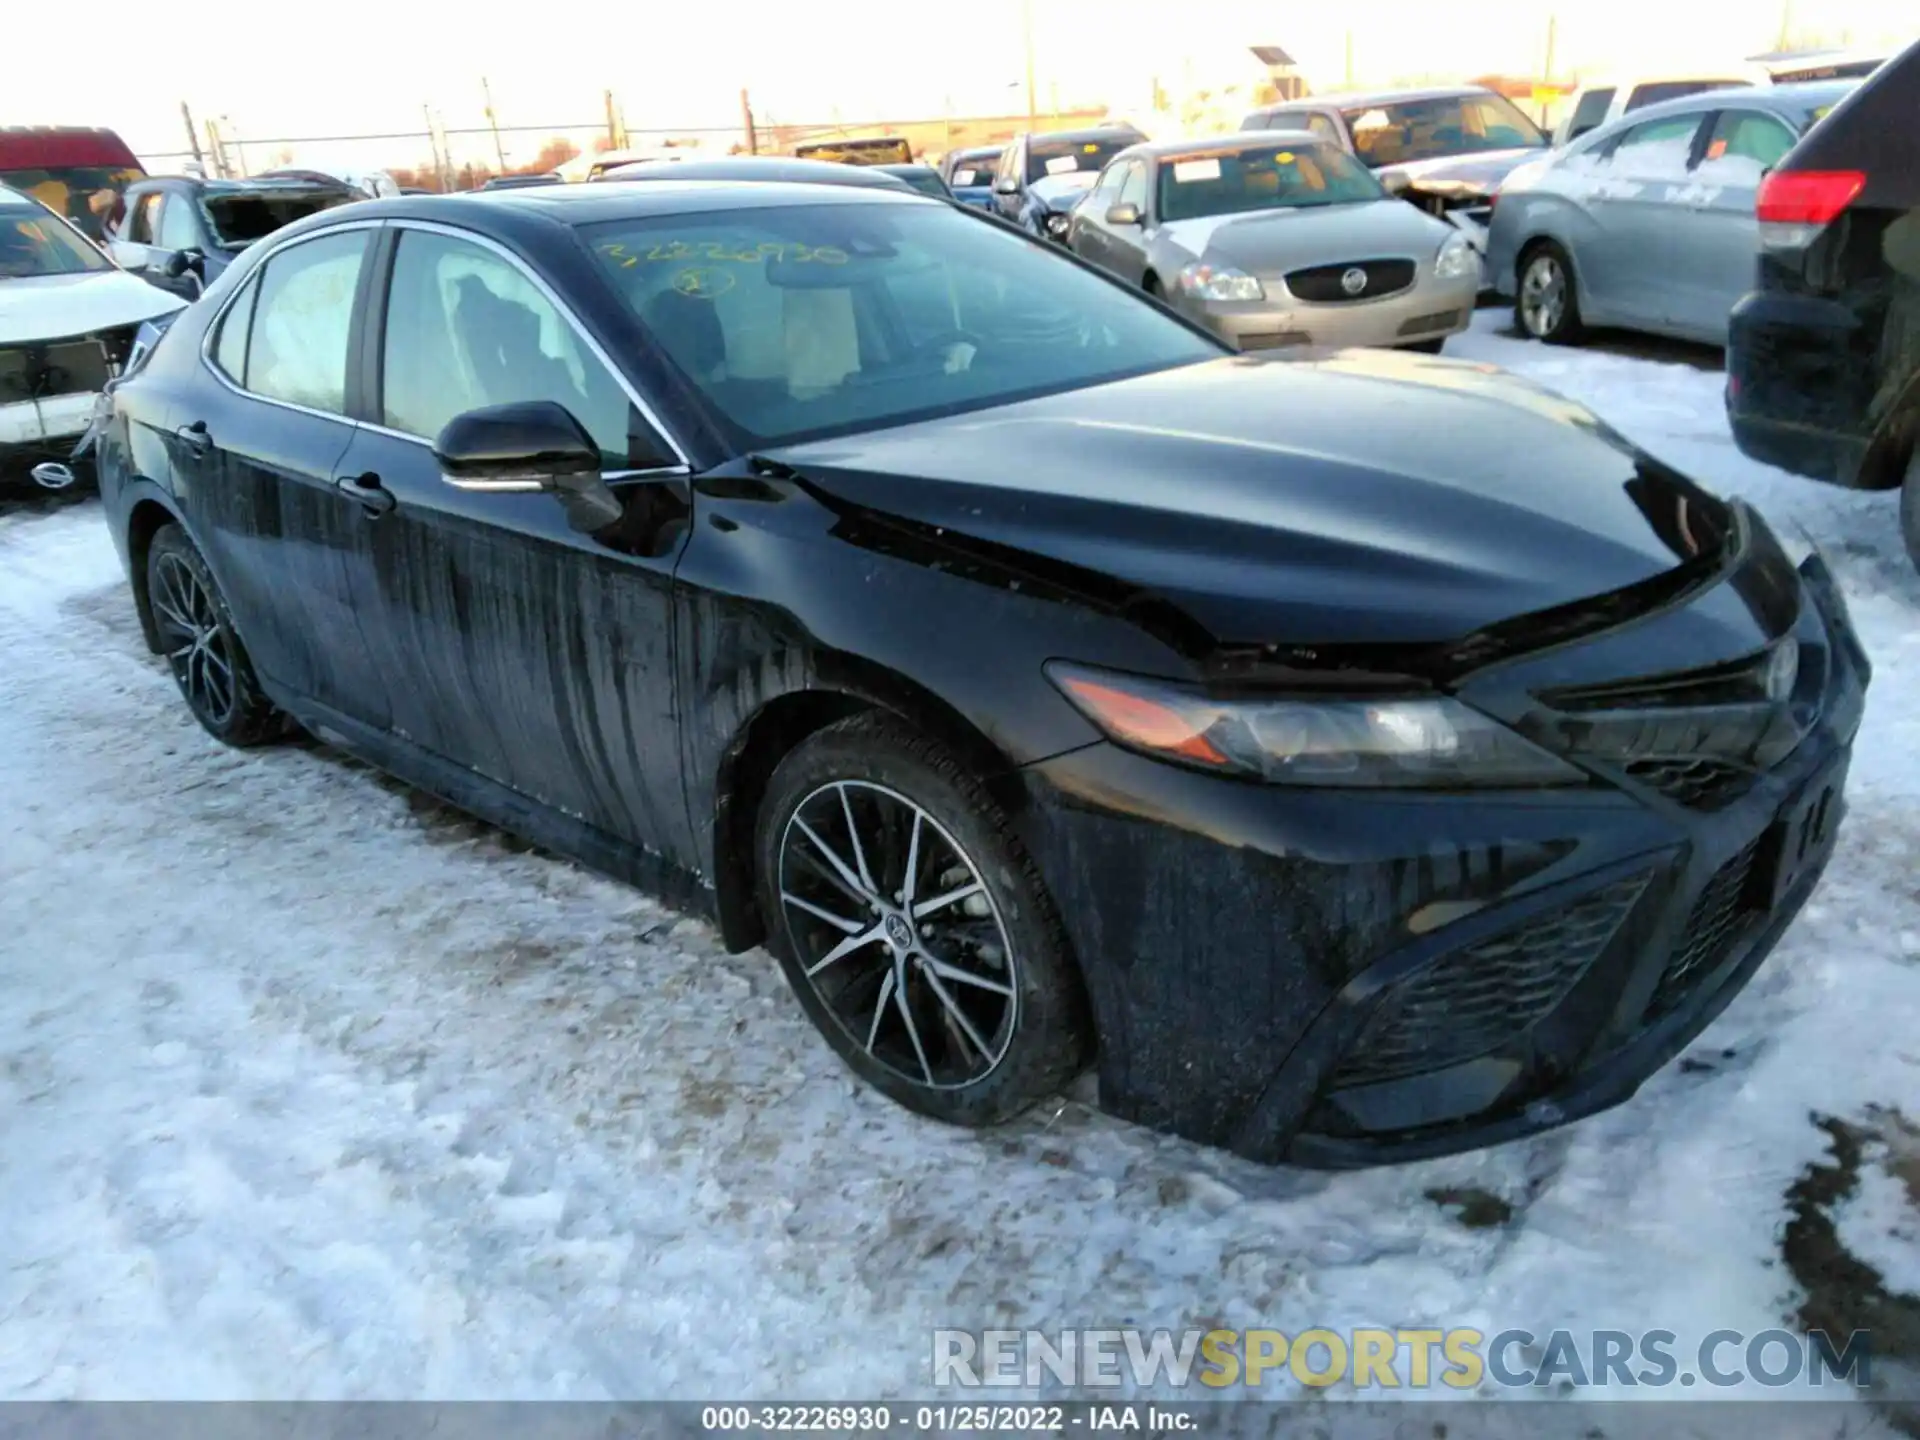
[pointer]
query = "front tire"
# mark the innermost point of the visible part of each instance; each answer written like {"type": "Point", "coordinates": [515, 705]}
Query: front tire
{"type": "Point", "coordinates": [201, 647]}
{"type": "Point", "coordinates": [1548, 303]}
{"type": "Point", "coordinates": [914, 928]}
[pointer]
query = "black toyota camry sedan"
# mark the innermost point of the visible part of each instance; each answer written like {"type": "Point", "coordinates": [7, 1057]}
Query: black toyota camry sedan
{"type": "Point", "coordinates": [1354, 758]}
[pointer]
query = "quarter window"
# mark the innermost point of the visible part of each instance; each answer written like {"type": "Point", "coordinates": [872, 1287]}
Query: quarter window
{"type": "Point", "coordinates": [297, 345]}
{"type": "Point", "coordinates": [230, 350]}
{"type": "Point", "coordinates": [466, 329]}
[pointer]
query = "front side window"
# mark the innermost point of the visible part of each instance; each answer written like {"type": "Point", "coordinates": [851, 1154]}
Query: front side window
{"type": "Point", "coordinates": [1395, 133]}
{"type": "Point", "coordinates": [1659, 148]}
{"type": "Point", "coordinates": [1065, 157]}
{"type": "Point", "coordinates": [465, 329]}
{"type": "Point", "coordinates": [143, 225]}
{"type": "Point", "coordinates": [177, 228]}
{"type": "Point", "coordinates": [297, 351]}
{"type": "Point", "coordinates": [1133, 186]}
{"type": "Point", "coordinates": [32, 242]}
{"type": "Point", "coordinates": [1265, 177]}
{"type": "Point", "coordinates": [801, 321]}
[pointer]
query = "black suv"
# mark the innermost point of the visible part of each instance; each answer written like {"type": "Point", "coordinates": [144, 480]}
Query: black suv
{"type": "Point", "coordinates": [1041, 177]}
{"type": "Point", "coordinates": [1823, 361]}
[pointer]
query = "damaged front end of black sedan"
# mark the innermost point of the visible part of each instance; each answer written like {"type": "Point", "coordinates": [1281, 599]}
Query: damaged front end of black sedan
{"type": "Point", "coordinates": [1376, 957]}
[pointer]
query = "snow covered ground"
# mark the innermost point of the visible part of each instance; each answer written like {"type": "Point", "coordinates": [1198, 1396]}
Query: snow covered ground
{"type": "Point", "coordinates": [310, 1088]}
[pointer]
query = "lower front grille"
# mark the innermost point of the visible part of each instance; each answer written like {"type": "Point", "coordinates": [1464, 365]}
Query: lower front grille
{"type": "Point", "coordinates": [1719, 918]}
{"type": "Point", "coordinates": [1356, 280]}
{"type": "Point", "coordinates": [40, 372]}
{"type": "Point", "coordinates": [1480, 999]}
{"type": "Point", "coordinates": [1439, 320]}
{"type": "Point", "coordinates": [1275, 340]}
{"type": "Point", "coordinates": [1699, 784]}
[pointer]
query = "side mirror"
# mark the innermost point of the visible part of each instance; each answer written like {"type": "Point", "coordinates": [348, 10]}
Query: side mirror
{"type": "Point", "coordinates": [1125, 213]}
{"type": "Point", "coordinates": [528, 447]}
{"type": "Point", "coordinates": [1394, 182]}
{"type": "Point", "coordinates": [180, 262]}
{"type": "Point", "coordinates": [1006, 185]}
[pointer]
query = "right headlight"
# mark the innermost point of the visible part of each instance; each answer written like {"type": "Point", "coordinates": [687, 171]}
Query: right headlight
{"type": "Point", "coordinates": [1414, 743]}
{"type": "Point", "coordinates": [1219, 282]}
{"type": "Point", "coordinates": [1458, 259]}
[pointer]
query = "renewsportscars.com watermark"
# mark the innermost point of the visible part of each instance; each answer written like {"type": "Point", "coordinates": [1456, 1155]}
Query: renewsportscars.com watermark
{"type": "Point", "coordinates": [1409, 1359]}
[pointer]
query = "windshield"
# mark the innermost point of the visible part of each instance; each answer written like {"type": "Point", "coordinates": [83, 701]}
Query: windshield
{"type": "Point", "coordinates": [1063, 157]}
{"type": "Point", "coordinates": [1399, 132]}
{"type": "Point", "coordinates": [32, 242]}
{"type": "Point", "coordinates": [802, 321]}
{"type": "Point", "coordinates": [1229, 182]}
{"type": "Point", "coordinates": [88, 195]}
{"type": "Point", "coordinates": [974, 170]}
{"type": "Point", "coordinates": [239, 220]}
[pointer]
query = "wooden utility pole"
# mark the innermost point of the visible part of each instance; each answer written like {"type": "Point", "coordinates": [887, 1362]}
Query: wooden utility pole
{"type": "Point", "coordinates": [1546, 73]}
{"type": "Point", "coordinates": [1026, 25]}
{"type": "Point", "coordinates": [193, 136]}
{"type": "Point", "coordinates": [493, 123]}
{"type": "Point", "coordinates": [613, 125]}
{"type": "Point", "coordinates": [746, 124]}
{"type": "Point", "coordinates": [1349, 63]}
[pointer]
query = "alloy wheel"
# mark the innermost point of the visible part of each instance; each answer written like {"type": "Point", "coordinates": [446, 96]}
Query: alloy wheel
{"type": "Point", "coordinates": [1543, 296]}
{"type": "Point", "coordinates": [193, 639]}
{"type": "Point", "coordinates": [896, 933]}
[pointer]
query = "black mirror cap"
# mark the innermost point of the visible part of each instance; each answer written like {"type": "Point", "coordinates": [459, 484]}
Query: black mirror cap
{"type": "Point", "coordinates": [528, 445]}
{"type": "Point", "coordinates": [181, 261]}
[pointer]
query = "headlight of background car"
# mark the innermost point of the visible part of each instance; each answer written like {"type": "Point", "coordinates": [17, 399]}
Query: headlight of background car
{"type": "Point", "coordinates": [1054, 222]}
{"type": "Point", "coordinates": [1219, 282]}
{"type": "Point", "coordinates": [1432, 743]}
{"type": "Point", "coordinates": [1458, 259]}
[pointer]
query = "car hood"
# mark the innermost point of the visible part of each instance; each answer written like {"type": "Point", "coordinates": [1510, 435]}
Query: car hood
{"type": "Point", "coordinates": [1479, 174]}
{"type": "Point", "coordinates": [1269, 241]}
{"type": "Point", "coordinates": [56, 307]}
{"type": "Point", "coordinates": [1061, 192]}
{"type": "Point", "coordinates": [1363, 496]}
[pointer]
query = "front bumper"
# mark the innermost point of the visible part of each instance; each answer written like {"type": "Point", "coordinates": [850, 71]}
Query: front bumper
{"type": "Point", "coordinates": [1345, 979]}
{"type": "Point", "coordinates": [1430, 309]}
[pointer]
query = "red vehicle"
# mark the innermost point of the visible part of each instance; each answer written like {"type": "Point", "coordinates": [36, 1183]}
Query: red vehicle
{"type": "Point", "coordinates": [76, 172]}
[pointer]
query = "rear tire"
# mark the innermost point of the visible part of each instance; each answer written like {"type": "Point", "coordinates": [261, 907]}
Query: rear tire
{"type": "Point", "coordinates": [958, 1001]}
{"type": "Point", "coordinates": [202, 648]}
{"type": "Point", "coordinates": [1547, 305]}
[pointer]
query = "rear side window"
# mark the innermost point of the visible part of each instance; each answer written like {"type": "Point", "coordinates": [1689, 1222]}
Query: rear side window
{"type": "Point", "coordinates": [1747, 141]}
{"type": "Point", "coordinates": [230, 348]}
{"type": "Point", "coordinates": [1590, 113]}
{"type": "Point", "coordinates": [297, 346]}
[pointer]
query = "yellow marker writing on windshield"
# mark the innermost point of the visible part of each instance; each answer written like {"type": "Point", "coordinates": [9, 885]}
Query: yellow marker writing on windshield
{"type": "Point", "coordinates": [1285, 157]}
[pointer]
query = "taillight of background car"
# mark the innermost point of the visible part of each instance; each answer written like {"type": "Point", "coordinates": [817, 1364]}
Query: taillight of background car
{"type": "Point", "coordinates": [1794, 206]}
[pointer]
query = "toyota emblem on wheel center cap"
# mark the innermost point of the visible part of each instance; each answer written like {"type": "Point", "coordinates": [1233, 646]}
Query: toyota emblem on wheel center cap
{"type": "Point", "coordinates": [899, 935]}
{"type": "Point", "coordinates": [1354, 281]}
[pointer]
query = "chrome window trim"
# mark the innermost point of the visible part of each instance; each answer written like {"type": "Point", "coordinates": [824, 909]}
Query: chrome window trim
{"type": "Point", "coordinates": [454, 232]}
{"type": "Point", "coordinates": [650, 472]}
{"type": "Point", "coordinates": [208, 336]}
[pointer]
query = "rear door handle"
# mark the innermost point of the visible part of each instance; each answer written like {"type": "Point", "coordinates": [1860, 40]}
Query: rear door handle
{"type": "Point", "coordinates": [367, 492]}
{"type": "Point", "coordinates": [196, 439]}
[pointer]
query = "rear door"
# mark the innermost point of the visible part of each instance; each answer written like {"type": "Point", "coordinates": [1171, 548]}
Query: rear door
{"type": "Point", "coordinates": [259, 457]}
{"type": "Point", "coordinates": [512, 645]}
{"type": "Point", "coordinates": [1638, 213]}
{"type": "Point", "coordinates": [1717, 253]}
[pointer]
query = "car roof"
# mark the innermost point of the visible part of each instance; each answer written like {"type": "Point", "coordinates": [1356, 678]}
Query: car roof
{"type": "Point", "coordinates": [1098, 132]}
{"type": "Point", "coordinates": [766, 170]}
{"type": "Point", "coordinates": [627, 200]}
{"type": "Point", "coordinates": [264, 184]}
{"type": "Point", "coordinates": [973, 150]}
{"type": "Point", "coordinates": [1231, 140]}
{"type": "Point", "coordinates": [1775, 99]}
{"type": "Point", "coordinates": [1362, 99]}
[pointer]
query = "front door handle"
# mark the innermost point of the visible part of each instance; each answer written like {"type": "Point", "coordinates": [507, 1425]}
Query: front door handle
{"type": "Point", "coordinates": [368, 493]}
{"type": "Point", "coordinates": [196, 439]}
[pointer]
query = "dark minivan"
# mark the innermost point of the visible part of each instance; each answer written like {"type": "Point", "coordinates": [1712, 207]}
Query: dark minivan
{"type": "Point", "coordinates": [1823, 359]}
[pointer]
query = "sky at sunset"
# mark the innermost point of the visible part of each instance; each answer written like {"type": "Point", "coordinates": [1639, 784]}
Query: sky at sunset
{"type": "Point", "coordinates": [359, 66]}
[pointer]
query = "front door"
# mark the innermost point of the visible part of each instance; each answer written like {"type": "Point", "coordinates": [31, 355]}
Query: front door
{"type": "Point", "coordinates": [512, 645]}
{"type": "Point", "coordinates": [259, 465]}
{"type": "Point", "coordinates": [1636, 208]}
{"type": "Point", "coordinates": [1719, 241]}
